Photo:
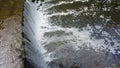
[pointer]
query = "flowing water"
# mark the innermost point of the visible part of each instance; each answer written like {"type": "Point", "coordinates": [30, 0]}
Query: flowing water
{"type": "Point", "coordinates": [72, 33]}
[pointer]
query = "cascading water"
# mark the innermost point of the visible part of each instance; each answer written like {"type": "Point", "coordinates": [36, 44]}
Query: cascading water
{"type": "Point", "coordinates": [32, 47]}
{"type": "Point", "coordinates": [68, 34]}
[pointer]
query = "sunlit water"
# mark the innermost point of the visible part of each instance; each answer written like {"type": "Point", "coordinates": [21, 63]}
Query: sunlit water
{"type": "Point", "coordinates": [71, 33]}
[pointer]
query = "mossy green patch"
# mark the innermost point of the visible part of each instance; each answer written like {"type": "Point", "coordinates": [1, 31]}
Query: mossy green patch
{"type": "Point", "coordinates": [10, 8]}
{"type": "Point", "coordinates": [1, 25]}
{"type": "Point", "coordinates": [117, 65]}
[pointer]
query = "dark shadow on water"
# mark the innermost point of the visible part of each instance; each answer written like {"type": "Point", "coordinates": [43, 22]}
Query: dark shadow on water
{"type": "Point", "coordinates": [27, 64]}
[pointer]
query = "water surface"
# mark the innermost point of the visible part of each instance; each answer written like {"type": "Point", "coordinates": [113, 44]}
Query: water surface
{"type": "Point", "coordinates": [79, 33]}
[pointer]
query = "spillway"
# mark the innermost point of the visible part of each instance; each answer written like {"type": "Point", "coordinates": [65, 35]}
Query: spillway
{"type": "Point", "coordinates": [69, 34]}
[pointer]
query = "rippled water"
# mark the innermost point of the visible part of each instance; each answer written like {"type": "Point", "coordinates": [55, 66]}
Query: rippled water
{"type": "Point", "coordinates": [75, 33]}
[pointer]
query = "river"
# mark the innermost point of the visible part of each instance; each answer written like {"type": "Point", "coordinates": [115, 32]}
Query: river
{"type": "Point", "coordinates": [72, 33]}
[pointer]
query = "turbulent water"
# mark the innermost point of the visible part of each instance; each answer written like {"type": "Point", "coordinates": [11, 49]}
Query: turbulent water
{"type": "Point", "coordinates": [72, 33]}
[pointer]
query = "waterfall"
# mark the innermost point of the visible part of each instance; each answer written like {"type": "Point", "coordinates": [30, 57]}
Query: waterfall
{"type": "Point", "coordinates": [58, 34]}
{"type": "Point", "coordinates": [32, 47]}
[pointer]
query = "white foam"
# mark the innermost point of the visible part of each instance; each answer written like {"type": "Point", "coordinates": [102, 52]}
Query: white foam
{"type": "Point", "coordinates": [43, 25]}
{"type": "Point", "coordinates": [61, 13]}
{"type": "Point", "coordinates": [57, 4]}
{"type": "Point", "coordinates": [82, 0]}
{"type": "Point", "coordinates": [64, 2]}
{"type": "Point", "coordinates": [85, 37]}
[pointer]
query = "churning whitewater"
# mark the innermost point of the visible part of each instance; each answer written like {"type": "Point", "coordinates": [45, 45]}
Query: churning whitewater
{"type": "Point", "coordinates": [52, 42]}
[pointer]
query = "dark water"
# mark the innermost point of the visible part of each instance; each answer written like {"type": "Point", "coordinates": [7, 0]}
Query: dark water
{"type": "Point", "coordinates": [78, 33]}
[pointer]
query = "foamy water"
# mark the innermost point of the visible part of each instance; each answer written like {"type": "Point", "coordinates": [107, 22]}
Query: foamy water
{"type": "Point", "coordinates": [52, 39]}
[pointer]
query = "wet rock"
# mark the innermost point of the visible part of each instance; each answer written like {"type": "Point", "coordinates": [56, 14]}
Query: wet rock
{"type": "Point", "coordinates": [11, 49]}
